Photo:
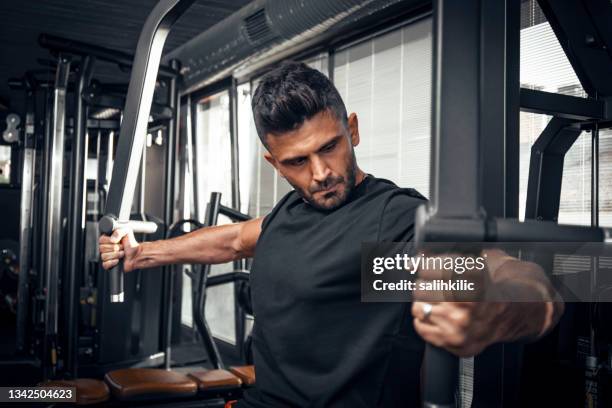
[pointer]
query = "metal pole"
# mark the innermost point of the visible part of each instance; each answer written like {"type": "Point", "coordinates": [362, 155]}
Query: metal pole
{"type": "Point", "coordinates": [172, 139]}
{"type": "Point", "coordinates": [233, 122]}
{"type": "Point", "coordinates": [25, 227]}
{"type": "Point", "coordinates": [43, 189]}
{"type": "Point", "coordinates": [192, 142]}
{"type": "Point", "coordinates": [235, 162]}
{"type": "Point", "coordinates": [53, 256]}
{"type": "Point", "coordinates": [200, 302]}
{"type": "Point", "coordinates": [76, 217]}
{"type": "Point", "coordinates": [455, 130]}
{"type": "Point", "coordinates": [594, 223]}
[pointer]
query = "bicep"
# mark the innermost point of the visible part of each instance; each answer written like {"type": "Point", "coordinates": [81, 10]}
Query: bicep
{"type": "Point", "coordinates": [248, 236]}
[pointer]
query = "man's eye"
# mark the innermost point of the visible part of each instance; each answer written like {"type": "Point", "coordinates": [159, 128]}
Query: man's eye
{"type": "Point", "coordinates": [297, 162]}
{"type": "Point", "coordinates": [329, 147]}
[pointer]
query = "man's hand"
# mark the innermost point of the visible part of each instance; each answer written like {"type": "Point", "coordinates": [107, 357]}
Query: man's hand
{"type": "Point", "coordinates": [121, 245]}
{"type": "Point", "coordinates": [467, 328]}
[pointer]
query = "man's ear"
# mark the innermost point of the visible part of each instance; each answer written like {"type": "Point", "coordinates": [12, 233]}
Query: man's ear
{"type": "Point", "coordinates": [271, 159]}
{"type": "Point", "coordinates": [273, 162]}
{"type": "Point", "coordinates": [353, 126]}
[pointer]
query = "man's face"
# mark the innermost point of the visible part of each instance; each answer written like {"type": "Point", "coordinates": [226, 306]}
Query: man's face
{"type": "Point", "coordinates": [317, 159]}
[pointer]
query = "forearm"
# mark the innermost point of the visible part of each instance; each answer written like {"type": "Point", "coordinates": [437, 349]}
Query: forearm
{"type": "Point", "coordinates": [212, 245]}
{"type": "Point", "coordinates": [536, 307]}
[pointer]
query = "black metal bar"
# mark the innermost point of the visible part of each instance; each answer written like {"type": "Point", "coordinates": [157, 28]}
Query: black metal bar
{"type": "Point", "coordinates": [76, 218]}
{"type": "Point", "coordinates": [234, 215]}
{"type": "Point", "coordinates": [52, 264]}
{"type": "Point", "coordinates": [192, 135]}
{"type": "Point", "coordinates": [103, 124]}
{"type": "Point", "coordinates": [508, 230]}
{"type": "Point", "coordinates": [235, 169]}
{"type": "Point", "coordinates": [235, 159]}
{"type": "Point", "coordinates": [225, 278]}
{"type": "Point", "coordinates": [513, 46]}
{"type": "Point", "coordinates": [212, 216]}
{"type": "Point", "coordinates": [455, 130]}
{"type": "Point", "coordinates": [595, 176]}
{"type": "Point", "coordinates": [455, 113]}
{"type": "Point", "coordinates": [511, 354]}
{"type": "Point", "coordinates": [579, 36]}
{"type": "Point", "coordinates": [594, 223]}
{"type": "Point", "coordinates": [562, 106]}
{"type": "Point", "coordinates": [546, 169]}
{"type": "Point", "coordinates": [95, 98]}
{"type": "Point", "coordinates": [43, 190]}
{"type": "Point", "coordinates": [69, 46]}
{"type": "Point", "coordinates": [499, 142]}
{"type": "Point", "coordinates": [136, 114]}
{"type": "Point", "coordinates": [169, 194]}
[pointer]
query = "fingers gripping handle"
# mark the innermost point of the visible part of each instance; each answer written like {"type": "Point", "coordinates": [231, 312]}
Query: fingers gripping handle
{"type": "Point", "coordinates": [108, 224]}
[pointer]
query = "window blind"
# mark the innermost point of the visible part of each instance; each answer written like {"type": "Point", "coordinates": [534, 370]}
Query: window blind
{"type": "Point", "coordinates": [386, 81]}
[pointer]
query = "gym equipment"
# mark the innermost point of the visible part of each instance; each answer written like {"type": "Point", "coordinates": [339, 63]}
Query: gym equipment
{"type": "Point", "coordinates": [88, 390]}
{"type": "Point", "coordinates": [136, 115]}
{"type": "Point", "coordinates": [53, 216]}
{"type": "Point", "coordinates": [149, 383]}
{"type": "Point", "coordinates": [11, 133]}
{"type": "Point", "coordinates": [215, 380]}
{"type": "Point", "coordinates": [245, 373]}
{"type": "Point", "coordinates": [470, 105]}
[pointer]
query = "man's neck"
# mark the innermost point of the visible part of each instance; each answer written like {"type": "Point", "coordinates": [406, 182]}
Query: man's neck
{"type": "Point", "coordinates": [359, 177]}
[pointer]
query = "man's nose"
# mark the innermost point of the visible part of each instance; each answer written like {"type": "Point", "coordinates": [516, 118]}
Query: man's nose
{"type": "Point", "coordinates": [320, 170]}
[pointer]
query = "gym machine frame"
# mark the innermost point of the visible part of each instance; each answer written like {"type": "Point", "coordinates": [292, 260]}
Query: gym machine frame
{"type": "Point", "coordinates": [472, 98]}
{"type": "Point", "coordinates": [84, 95]}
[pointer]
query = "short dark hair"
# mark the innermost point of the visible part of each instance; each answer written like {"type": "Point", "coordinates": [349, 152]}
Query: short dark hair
{"type": "Point", "coordinates": [291, 94]}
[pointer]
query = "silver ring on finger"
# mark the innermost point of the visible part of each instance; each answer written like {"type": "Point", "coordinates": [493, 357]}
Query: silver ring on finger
{"type": "Point", "coordinates": [427, 307]}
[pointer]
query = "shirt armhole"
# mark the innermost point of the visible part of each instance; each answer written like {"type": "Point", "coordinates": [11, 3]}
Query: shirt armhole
{"type": "Point", "coordinates": [403, 191]}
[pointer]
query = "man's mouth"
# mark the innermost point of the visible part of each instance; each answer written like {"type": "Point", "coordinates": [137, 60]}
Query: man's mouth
{"type": "Point", "coordinates": [328, 190]}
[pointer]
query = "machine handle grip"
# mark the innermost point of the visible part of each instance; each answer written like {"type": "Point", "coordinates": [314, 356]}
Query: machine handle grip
{"type": "Point", "coordinates": [116, 283]}
{"type": "Point", "coordinates": [110, 224]}
{"type": "Point", "coordinates": [107, 225]}
{"type": "Point", "coordinates": [440, 378]}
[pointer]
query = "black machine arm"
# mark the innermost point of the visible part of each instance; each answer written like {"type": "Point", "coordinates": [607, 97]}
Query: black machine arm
{"type": "Point", "coordinates": [135, 119]}
{"type": "Point", "coordinates": [465, 124]}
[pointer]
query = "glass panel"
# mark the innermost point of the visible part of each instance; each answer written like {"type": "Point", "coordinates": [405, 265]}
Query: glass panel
{"type": "Point", "coordinates": [213, 157]}
{"type": "Point", "coordinates": [5, 164]}
{"type": "Point", "coordinates": [213, 150]}
{"type": "Point", "coordinates": [247, 152]}
{"type": "Point", "coordinates": [575, 203]}
{"type": "Point", "coordinates": [387, 82]}
{"type": "Point", "coordinates": [544, 65]}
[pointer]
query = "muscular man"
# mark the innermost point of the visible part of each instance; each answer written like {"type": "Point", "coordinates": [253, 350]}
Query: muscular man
{"type": "Point", "coordinates": [315, 343]}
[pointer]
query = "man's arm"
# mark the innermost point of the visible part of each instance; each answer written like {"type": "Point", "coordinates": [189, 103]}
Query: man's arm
{"type": "Point", "coordinates": [467, 328]}
{"type": "Point", "coordinates": [212, 245]}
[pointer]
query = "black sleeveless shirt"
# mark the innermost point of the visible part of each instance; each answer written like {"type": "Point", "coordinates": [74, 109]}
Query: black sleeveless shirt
{"type": "Point", "coordinates": [315, 344]}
